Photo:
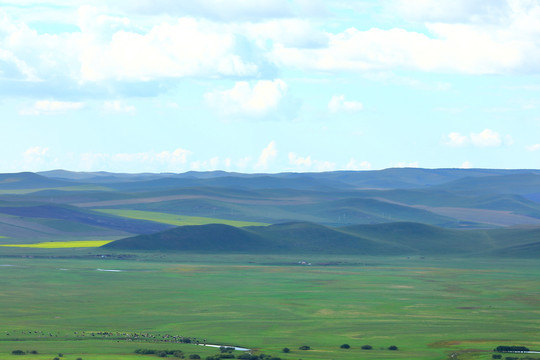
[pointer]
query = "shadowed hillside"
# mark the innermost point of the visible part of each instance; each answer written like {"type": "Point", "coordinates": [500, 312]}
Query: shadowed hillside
{"type": "Point", "coordinates": [307, 238]}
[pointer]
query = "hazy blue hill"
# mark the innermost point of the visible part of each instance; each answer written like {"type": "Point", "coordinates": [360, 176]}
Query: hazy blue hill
{"type": "Point", "coordinates": [522, 183]}
{"type": "Point", "coordinates": [27, 180]}
{"type": "Point", "coordinates": [367, 211]}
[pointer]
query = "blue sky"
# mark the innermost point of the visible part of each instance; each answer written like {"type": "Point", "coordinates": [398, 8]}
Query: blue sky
{"type": "Point", "coordinates": [269, 85]}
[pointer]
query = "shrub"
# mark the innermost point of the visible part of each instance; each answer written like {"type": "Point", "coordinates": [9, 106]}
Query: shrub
{"type": "Point", "coordinates": [162, 354]}
{"type": "Point", "coordinates": [194, 356]}
{"type": "Point", "coordinates": [304, 347]}
{"type": "Point", "coordinates": [286, 350]}
{"type": "Point", "coordinates": [33, 352]}
{"type": "Point", "coordinates": [345, 346]}
{"type": "Point", "coordinates": [367, 347]}
{"type": "Point", "coordinates": [226, 356]}
{"type": "Point", "coordinates": [496, 356]}
{"type": "Point", "coordinates": [393, 347]}
{"type": "Point", "coordinates": [18, 352]}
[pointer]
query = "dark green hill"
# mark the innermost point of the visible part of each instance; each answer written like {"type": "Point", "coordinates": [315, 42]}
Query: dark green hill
{"type": "Point", "coordinates": [425, 239]}
{"type": "Point", "coordinates": [294, 238]}
{"type": "Point", "coordinates": [213, 238]}
{"type": "Point", "coordinates": [306, 238]}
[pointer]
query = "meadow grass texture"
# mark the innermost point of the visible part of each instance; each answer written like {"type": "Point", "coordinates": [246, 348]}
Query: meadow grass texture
{"type": "Point", "coordinates": [177, 220]}
{"type": "Point", "coordinates": [429, 309]}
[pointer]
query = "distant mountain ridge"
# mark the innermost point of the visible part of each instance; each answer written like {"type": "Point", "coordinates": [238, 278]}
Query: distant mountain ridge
{"type": "Point", "coordinates": [60, 203]}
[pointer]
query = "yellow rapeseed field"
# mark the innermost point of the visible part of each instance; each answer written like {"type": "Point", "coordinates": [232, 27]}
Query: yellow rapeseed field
{"type": "Point", "coordinates": [63, 244]}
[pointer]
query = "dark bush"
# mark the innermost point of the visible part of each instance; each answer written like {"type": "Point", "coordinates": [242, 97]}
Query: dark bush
{"type": "Point", "coordinates": [194, 356]}
{"type": "Point", "coordinates": [33, 352]}
{"type": "Point", "coordinates": [393, 347]}
{"type": "Point", "coordinates": [345, 346]}
{"type": "Point", "coordinates": [496, 356]}
{"type": "Point", "coordinates": [18, 352]}
{"type": "Point", "coordinates": [367, 347]}
{"type": "Point", "coordinates": [304, 347]}
{"type": "Point", "coordinates": [226, 356]}
{"type": "Point", "coordinates": [162, 354]}
{"type": "Point", "coordinates": [286, 350]}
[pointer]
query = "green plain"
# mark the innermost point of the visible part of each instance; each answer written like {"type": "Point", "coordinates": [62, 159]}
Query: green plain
{"type": "Point", "coordinates": [428, 308]}
{"type": "Point", "coordinates": [177, 220]}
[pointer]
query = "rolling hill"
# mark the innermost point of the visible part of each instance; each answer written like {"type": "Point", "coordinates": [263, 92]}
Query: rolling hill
{"type": "Point", "coordinates": [306, 238]}
{"type": "Point", "coordinates": [62, 203]}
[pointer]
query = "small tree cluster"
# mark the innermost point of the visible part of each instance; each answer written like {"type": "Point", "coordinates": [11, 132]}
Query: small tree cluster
{"type": "Point", "coordinates": [160, 353]}
{"type": "Point", "coordinates": [511, 349]}
{"type": "Point", "coordinates": [304, 347]}
{"type": "Point", "coordinates": [18, 352]}
{"type": "Point", "coordinates": [345, 346]}
{"type": "Point", "coordinates": [366, 347]}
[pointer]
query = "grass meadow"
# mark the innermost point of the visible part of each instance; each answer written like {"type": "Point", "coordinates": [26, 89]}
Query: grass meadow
{"type": "Point", "coordinates": [177, 220]}
{"type": "Point", "coordinates": [428, 308]}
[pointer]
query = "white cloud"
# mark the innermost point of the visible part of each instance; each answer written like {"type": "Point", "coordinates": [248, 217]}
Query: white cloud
{"type": "Point", "coordinates": [35, 157]}
{"type": "Point", "coordinates": [244, 163]}
{"type": "Point", "coordinates": [118, 106]}
{"type": "Point", "coordinates": [302, 162]}
{"type": "Point", "coordinates": [486, 138]}
{"type": "Point", "coordinates": [243, 99]}
{"type": "Point", "coordinates": [36, 151]}
{"type": "Point", "coordinates": [206, 165]}
{"type": "Point", "coordinates": [451, 10]}
{"type": "Point", "coordinates": [50, 107]}
{"type": "Point", "coordinates": [338, 103]}
{"type": "Point", "coordinates": [472, 48]}
{"type": "Point", "coordinates": [466, 165]}
{"type": "Point", "coordinates": [456, 139]}
{"type": "Point", "coordinates": [534, 147]}
{"type": "Point", "coordinates": [187, 47]}
{"type": "Point", "coordinates": [147, 161]}
{"type": "Point", "coordinates": [307, 164]}
{"type": "Point", "coordinates": [268, 154]}
{"type": "Point", "coordinates": [358, 165]}
{"type": "Point", "coordinates": [297, 33]}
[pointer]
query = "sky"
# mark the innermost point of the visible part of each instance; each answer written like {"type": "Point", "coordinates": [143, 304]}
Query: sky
{"type": "Point", "coordinates": [268, 86]}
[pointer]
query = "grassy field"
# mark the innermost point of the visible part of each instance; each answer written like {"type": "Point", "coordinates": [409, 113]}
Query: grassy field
{"type": "Point", "coordinates": [428, 308]}
{"type": "Point", "coordinates": [62, 244]}
{"type": "Point", "coordinates": [178, 220]}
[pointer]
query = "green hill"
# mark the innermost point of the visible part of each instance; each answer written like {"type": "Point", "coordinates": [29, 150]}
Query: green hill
{"type": "Point", "coordinates": [306, 238]}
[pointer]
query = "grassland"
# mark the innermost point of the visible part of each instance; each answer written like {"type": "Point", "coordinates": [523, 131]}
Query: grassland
{"type": "Point", "coordinates": [62, 244]}
{"type": "Point", "coordinates": [429, 308]}
{"type": "Point", "coordinates": [177, 220]}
